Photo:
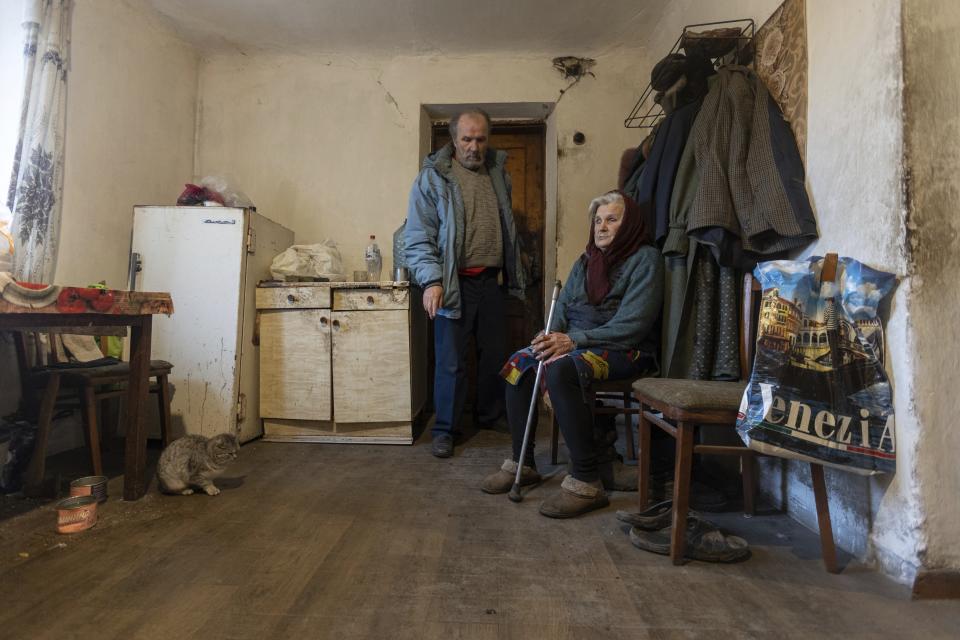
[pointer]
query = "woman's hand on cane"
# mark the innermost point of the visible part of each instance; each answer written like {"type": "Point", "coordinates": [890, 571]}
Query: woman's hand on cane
{"type": "Point", "coordinates": [552, 346]}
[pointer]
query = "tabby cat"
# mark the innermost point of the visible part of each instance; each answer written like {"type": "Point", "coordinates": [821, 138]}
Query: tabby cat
{"type": "Point", "coordinates": [193, 461]}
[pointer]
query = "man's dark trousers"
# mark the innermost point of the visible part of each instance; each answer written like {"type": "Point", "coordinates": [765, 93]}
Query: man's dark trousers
{"type": "Point", "coordinates": [482, 314]}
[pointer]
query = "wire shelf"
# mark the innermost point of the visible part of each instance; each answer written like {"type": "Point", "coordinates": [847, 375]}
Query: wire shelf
{"type": "Point", "coordinates": [647, 112]}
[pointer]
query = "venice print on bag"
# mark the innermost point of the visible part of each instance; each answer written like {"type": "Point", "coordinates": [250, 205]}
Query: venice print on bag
{"type": "Point", "coordinates": [819, 391]}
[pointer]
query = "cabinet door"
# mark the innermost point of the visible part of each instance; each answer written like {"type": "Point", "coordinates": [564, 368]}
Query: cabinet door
{"type": "Point", "coordinates": [371, 366]}
{"type": "Point", "coordinates": [295, 364]}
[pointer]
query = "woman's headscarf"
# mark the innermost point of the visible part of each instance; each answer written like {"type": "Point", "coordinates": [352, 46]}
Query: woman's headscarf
{"type": "Point", "coordinates": [631, 235]}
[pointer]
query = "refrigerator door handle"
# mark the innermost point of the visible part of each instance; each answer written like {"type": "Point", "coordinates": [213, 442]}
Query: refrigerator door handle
{"type": "Point", "coordinates": [135, 267]}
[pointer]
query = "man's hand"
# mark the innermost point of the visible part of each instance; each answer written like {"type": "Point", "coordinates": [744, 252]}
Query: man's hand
{"type": "Point", "coordinates": [549, 347]}
{"type": "Point", "coordinates": [432, 298]}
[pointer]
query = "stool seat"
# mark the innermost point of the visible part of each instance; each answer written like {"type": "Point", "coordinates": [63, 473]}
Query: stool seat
{"type": "Point", "coordinates": [690, 395]}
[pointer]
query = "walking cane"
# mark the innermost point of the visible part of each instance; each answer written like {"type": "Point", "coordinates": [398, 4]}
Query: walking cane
{"type": "Point", "coordinates": [515, 495]}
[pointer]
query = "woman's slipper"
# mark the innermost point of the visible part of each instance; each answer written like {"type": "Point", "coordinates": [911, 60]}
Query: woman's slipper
{"type": "Point", "coordinates": [704, 542]}
{"type": "Point", "coordinates": [651, 519]}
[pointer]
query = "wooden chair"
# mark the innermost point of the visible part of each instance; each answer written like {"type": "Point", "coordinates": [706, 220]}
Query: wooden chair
{"type": "Point", "coordinates": [680, 407]}
{"type": "Point", "coordinates": [615, 390]}
{"type": "Point", "coordinates": [88, 387]}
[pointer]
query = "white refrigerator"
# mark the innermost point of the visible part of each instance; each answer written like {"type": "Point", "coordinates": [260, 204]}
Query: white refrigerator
{"type": "Point", "coordinates": [210, 260]}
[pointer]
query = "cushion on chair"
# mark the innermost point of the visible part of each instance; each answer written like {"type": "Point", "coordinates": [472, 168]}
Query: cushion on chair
{"type": "Point", "coordinates": [690, 395]}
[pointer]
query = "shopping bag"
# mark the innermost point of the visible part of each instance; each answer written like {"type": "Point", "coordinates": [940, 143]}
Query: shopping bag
{"type": "Point", "coordinates": [818, 391]}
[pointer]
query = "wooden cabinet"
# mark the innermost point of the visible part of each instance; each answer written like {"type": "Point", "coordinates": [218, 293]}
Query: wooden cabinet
{"type": "Point", "coordinates": [340, 363]}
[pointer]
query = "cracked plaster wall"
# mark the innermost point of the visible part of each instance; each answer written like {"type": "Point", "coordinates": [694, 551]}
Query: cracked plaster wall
{"type": "Point", "coordinates": [931, 36]}
{"type": "Point", "coordinates": [329, 146]}
{"type": "Point", "coordinates": [130, 121]}
{"type": "Point", "coordinates": [855, 178]}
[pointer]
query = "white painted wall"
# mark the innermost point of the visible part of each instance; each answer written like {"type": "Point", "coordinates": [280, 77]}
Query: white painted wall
{"type": "Point", "coordinates": [131, 104]}
{"type": "Point", "coordinates": [855, 176]}
{"type": "Point", "coordinates": [932, 137]}
{"type": "Point", "coordinates": [329, 146]}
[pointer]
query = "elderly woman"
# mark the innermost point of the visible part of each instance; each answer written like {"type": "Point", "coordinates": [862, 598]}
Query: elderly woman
{"type": "Point", "coordinates": [603, 329]}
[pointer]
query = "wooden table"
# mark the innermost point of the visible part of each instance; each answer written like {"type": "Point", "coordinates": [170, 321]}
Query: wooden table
{"type": "Point", "coordinates": [77, 307]}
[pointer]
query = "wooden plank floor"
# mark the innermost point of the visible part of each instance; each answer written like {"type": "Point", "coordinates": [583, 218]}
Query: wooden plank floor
{"type": "Point", "coordinates": [354, 541]}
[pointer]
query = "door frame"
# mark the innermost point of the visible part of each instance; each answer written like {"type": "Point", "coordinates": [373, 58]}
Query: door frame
{"type": "Point", "coordinates": [513, 113]}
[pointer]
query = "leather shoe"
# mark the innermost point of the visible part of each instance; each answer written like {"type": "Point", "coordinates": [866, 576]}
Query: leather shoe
{"type": "Point", "coordinates": [442, 446]}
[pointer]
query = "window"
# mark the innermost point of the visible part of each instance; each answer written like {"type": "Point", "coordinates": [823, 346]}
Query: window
{"type": "Point", "coordinates": [11, 91]}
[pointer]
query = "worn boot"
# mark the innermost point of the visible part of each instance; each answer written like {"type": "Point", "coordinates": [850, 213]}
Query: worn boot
{"type": "Point", "coordinates": [502, 480]}
{"type": "Point", "coordinates": [613, 473]}
{"type": "Point", "coordinates": [574, 498]}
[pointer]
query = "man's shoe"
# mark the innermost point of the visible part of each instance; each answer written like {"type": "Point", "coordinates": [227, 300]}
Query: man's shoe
{"type": "Point", "coordinates": [502, 480]}
{"type": "Point", "coordinates": [574, 498]}
{"type": "Point", "coordinates": [442, 446]}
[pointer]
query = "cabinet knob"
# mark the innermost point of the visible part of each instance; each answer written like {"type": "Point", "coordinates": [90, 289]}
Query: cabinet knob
{"type": "Point", "coordinates": [323, 322]}
{"type": "Point", "coordinates": [336, 324]}
{"type": "Point", "coordinates": [292, 298]}
{"type": "Point", "coordinates": [370, 300]}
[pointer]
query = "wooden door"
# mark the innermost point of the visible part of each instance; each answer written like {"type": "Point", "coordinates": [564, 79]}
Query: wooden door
{"type": "Point", "coordinates": [371, 366]}
{"type": "Point", "coordinates": [524, 144]}
{"type": "Point", "coordinates": [295, 364]}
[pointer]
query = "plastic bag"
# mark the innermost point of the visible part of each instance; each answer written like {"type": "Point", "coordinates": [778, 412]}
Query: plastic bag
{"type": "Point", "coordinates": [194, 195]}
{"type": "Point", "coordinates": [232, 196]}
{"type": "Point", "coordinates": [309, 261]}
{"type": "Point", "coordinates": [400, 247]}
{"type": "Point", "coordinates": [818, 391]}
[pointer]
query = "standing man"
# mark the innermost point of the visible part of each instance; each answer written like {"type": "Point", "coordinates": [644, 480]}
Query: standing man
{"type": "Point", "coordinates": [460, 238]}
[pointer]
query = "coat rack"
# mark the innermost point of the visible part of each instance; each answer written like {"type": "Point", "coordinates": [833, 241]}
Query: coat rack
{"type": "Point", "coordinates": [647, 112]}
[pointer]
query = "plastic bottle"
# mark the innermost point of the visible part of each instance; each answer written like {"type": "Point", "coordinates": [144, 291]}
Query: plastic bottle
{"type": "Point", "coordinates": [374, 260]}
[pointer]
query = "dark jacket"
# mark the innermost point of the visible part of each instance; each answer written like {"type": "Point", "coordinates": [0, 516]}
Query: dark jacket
{"type": "Point", "coordinates": [750, 192]}
{"type": "Point", "coordinates": [629, 313]}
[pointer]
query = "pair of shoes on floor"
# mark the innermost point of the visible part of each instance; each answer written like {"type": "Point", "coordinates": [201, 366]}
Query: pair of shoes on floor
{"type": "Point", "coordinates": [574, 498]}
{"type": "Point", "coordinates": [502, 480]}
{"type": "Point", "coordinates": [442, 446]}
{"type": "Point", "coordinates": [704, 540]}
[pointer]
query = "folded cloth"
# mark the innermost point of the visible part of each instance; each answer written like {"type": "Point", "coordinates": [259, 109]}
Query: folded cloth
{"type": "Point", "coordinates": [26, 295]}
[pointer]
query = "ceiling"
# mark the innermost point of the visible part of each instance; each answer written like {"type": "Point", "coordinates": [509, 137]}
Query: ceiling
{"type": "Point", "coordinates": [556, 27]}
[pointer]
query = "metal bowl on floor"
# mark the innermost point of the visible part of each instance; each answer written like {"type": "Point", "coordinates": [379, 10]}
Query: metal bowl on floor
{"type": "Point", "coordinates": [95, 486]}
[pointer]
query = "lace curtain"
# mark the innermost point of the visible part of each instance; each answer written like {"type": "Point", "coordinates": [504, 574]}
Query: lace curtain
{"type": "Point", "coordinates": [36, 186]}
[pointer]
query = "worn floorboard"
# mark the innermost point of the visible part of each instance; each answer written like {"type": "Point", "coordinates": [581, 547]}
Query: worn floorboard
{"type": "Point", "coordinates": [355, 541]}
